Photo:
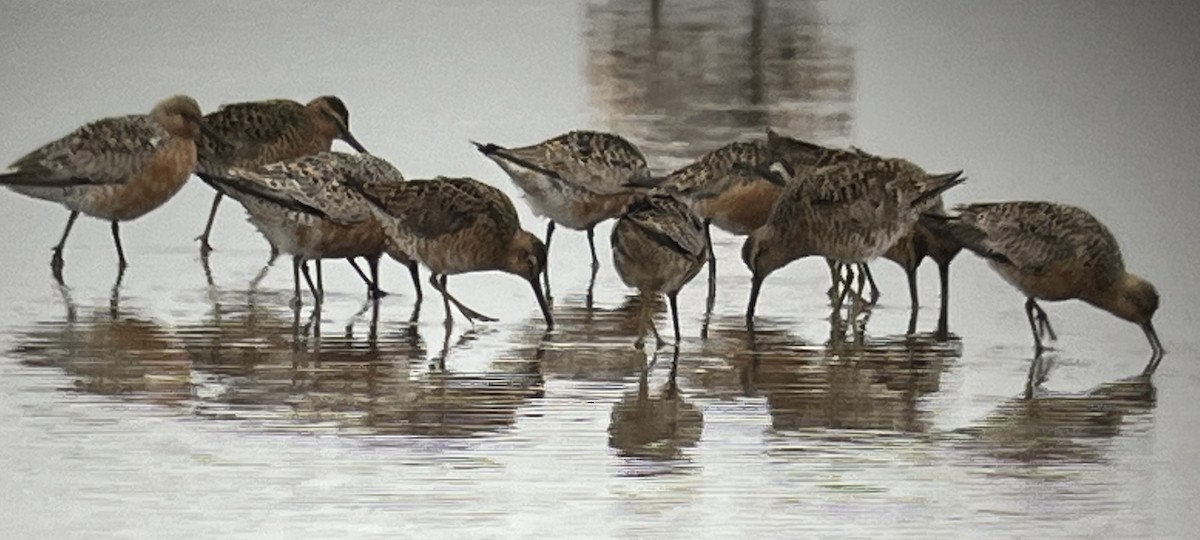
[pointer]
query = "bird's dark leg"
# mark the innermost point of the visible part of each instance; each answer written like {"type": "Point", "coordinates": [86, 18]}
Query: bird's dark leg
{"type": "Point", "coordinates": [416, 279]}
{"type": "Point", "coordinates": [308, 279]}
{"type": "Point", "coordinates": [1043, 322]}
{"type": "Point", "coordinates": [865, 269]}
{"type": "Point", "coordinates": [56, 260]}
{"type": "Point", "coordinates": [595, 267]}
{"type": "Point", "coordinates": [643, 313]}
{"type": "Point", "coordinates": [591, 235]}
{"type": "Point", "coordinates": [320, 282]}
{"type": "Point", "coordinates": [674, 315]}
{"type": "Point", "coordinates": [470, 314]}
{"type": "Point", "coordinates": [1031, 379]}
{"type": "Point", "coordinates": [205, 248]}
{"type": "Point", "coordinates": [358, 270]}
{"type": "Point", "coordinates": [712, 266]}
{"type": "Point", "coordinates": [116, 234]}
{"type": "Point", "coordinates": [373, 265]}
{"type": "Point", "coordinates": [841, 298]}
{"type": "Point", "coordinates": [943, 325]}
{"type": "Point", "coordinates": [296, 264]}
{"type": "Point", "coordinates": [835, 279]}
{"type": "Point", "coordinates": [914, 301]}
{"type": "Point", "coordinates": [546, 270]}
{"type": "Point", "coordinates": [862, 282]}
{"type": "Point", "coordinates": [439, 284]}
{"type": "Point", "coordinates": [1031, 308]}
{"type": "Point", "coordinates": [658, 340]}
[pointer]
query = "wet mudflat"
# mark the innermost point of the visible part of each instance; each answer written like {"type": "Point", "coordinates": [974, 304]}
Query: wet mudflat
{"type": "Point", "coordinates": [188, 403]}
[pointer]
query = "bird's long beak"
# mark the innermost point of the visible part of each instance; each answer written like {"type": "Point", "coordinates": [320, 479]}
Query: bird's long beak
{"type": "Point", "coordinates": [350, 140]}
{"type": "Point", "coordinates": [755, 285]}
{"type": "Point", "coordinates": [1155, 345]}
{"type": "Point", "coordinates": [541, 298]}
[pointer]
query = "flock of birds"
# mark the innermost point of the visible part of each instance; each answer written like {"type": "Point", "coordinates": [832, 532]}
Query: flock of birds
{"type": "Point", "coordinates": [791, 198]}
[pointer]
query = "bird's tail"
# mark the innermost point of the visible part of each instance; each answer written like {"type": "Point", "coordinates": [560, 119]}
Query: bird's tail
{"type": "Point", "coordinates": [486, 149]}
{"type": "Point", "coordinates": [501, 153]}
{"type": "Point", "coordinates": [936, 184]}
{"type": "Point", "coordinates": [232, 185]}
{"type": "Point", "coordinates": [27, 179]}
{"type": "Point", "coordinates": [960, 231]}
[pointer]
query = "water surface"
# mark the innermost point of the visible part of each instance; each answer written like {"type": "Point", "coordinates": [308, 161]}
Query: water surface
{"type": "Point", "coordinates": [188, 403]}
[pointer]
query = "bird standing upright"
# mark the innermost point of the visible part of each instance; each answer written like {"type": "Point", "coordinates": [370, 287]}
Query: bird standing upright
{"type": "Point", "coordinates": [263, 132]}
{"type": "Point", "coordinates": [116, 169]}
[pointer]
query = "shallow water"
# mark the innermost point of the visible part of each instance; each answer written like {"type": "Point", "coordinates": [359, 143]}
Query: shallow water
{"type": "Point", "coordinates": [190, 404]}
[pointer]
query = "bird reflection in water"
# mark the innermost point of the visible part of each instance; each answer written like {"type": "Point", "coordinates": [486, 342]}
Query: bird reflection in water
{"type": "Point", "coordinates": [590, 343]}
{"type": "Point", "coordinates": [655, 427]}
{"type": "Point", "coordinates": [252, 369]}
{"type": "Point", "coordinates": [110, 351]}
{"type": "Point", "coordinates": [442, 403]}
{"type": "Point", "coordinates": [874, 385]}
{"type": "Point", "coordinates": [1047, 428]}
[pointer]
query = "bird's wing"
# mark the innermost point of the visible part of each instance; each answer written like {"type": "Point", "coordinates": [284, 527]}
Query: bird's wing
{"type": "Point", "coordinates": [107, 151]}
{"type": "Point", "coordinates": [431, 208]}
{"type": "Point", "coordinates": [1028, 235]}
{"type": "Point", "coordinates": [598, 162]}
{"type": "Point", "coordinates": [317, 184]}
{"type": "Point", "coordinates": [670, 223]}
{"type": "Point", "coordinates": [249, 129]}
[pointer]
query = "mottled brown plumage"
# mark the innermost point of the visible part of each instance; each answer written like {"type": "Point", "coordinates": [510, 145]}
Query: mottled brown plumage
{"type": "Point", "coordinates": [307, 208]}
{"type": "Point", "coordinates": [578, 179]}
{"type": "Point", "coordinates": [908, 251]}
{"type": "Point", "coordinates": [733, 187]}
{"type": "Point", "coordinates": [258, 133]}
{"type": "Point", "coordinates": [116, 169]}
{"type": "Point", "coordinates": [658, 247]}
{"type": "Point", "coordinates": [850, 213]}
{"type": "Point", "coordinates": [455, 226]}
{"type": "Point", "coordinates": [1053, 252]}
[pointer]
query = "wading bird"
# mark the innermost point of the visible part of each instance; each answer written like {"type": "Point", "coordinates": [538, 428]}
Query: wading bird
{"type": "Point", "coordinates": [850, 213]}
{"type": "Point", "coordinates": [307, 208]}
{"type": "Point", "coordinates": [116, 169]}
{"type": "Point", "coordinates": [1054, 252]}
{"type": "Point", "coordinates": [455, 226]}
{"type": "Point", "coordinates": [658, 247]}
{"type": "Point", "coordinates": [577, 179]}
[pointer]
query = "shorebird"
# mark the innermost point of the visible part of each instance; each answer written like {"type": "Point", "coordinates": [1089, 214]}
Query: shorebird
{"type": "Point", "coordinates": [658, 247]}
{"type": "Point", "coordinates": [259, 133]}
{"type": "Point", "coordinates": [731, 187]}
{"type": "Point", "coordinates": [1054, 252]}
{"type": "Point", "coordinates": [264, 132]}
{"type": "Point", "coordinates": [116, 169]}
{"type": "Point", "coordinates": [908, 251]}
{"type": "Point", "coordinates": [578, 179]}
{"type": "Point", "coordinates": [850, 213]}
{"type": "Point", "coordinates": [455, 226]}
{"type": "Point", "coordinates": [307, 208]}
